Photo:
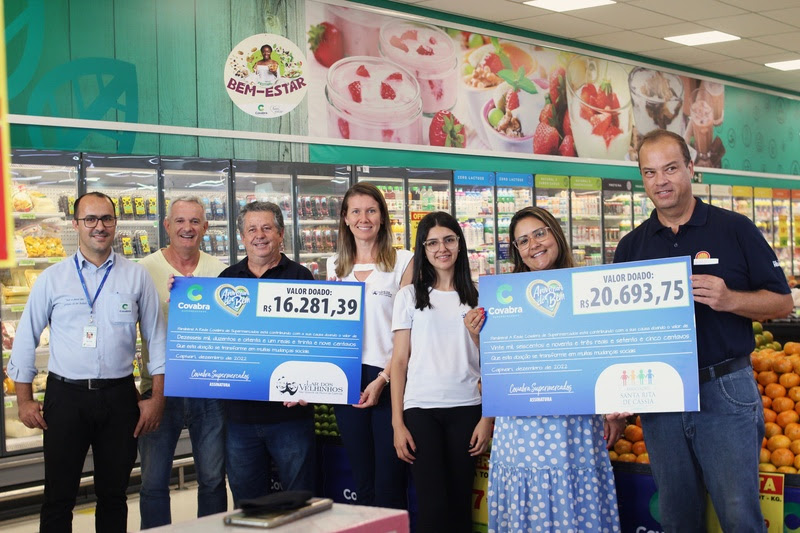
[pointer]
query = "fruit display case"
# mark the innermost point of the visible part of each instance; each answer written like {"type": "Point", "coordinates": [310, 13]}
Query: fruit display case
{"type": "Point", "coordinates": [44, 187]}
{"type": "Point", "coordinates": [552, 193]}
{"type": "Point", "coordinates": [762, 211]}
{"type": "Point", "coordinates": [617, 214]}
{"type": "Point", "coordinates": [475, 208]}
{"type": "Point", "coordinates": [722, 196]}
{"type": "Point", "coordinates": [587, 223]}
{"type": "Point", "coordinates": [702, 191]}
{"type": "Point", "coordinates": [514, 192]}
{"type": "Point", "coordinates": [781, 231]}
{"type": "Point", "coordinates": [743, 200]}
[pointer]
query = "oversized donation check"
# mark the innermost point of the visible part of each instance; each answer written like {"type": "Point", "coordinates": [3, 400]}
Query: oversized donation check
{"type": "Point", "coordinates": [277, 340]}
{"type": "Point", "coordinates": [599, 339]}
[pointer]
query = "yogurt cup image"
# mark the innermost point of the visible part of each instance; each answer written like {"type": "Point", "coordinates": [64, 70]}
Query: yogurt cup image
{"type": "Point", "coordinates": [657, 100]}
{"type": "Point", "coordinates": [512, 130]}
{"type": "Point", "coordinates": [371, 99]}
{"type": "Point", "coordinates": [701, 120]}
{"type": "Point", "coordinates": [359, 29]}
{"type": "Point", "coordinates": [599, 104]}
{"type": "Point", "coordinates": [479, 77]}
{"type": "Point", "coordinates": [714, 94]}
{"type": "Point", "coordinates": [430, 54]}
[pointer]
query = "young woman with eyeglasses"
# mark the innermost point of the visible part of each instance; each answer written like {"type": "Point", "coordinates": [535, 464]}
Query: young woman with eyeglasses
{"type": "Point", "coordinates": [436, 399]}
{"type": "Point", "coordinates": [548, 473]}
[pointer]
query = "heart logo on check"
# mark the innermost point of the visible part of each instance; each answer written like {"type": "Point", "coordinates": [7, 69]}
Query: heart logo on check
{"type": "Point", "coordinates": [232, 299]}
{"type": "Point", "coordinates": [545, 296]}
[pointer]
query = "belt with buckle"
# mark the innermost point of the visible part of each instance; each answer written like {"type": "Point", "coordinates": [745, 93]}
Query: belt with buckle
{"type": "Point", "coordinates": [91, 383]}
{"type": "Point", "coordinates": [721, 369]}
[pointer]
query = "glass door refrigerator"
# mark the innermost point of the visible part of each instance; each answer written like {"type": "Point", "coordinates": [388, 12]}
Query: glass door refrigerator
{"type": "Point", "coordinates": [552, 193]}
{"type": "Point", "coordinates": [795, 237]}
{"type": "Point", "coordinates": [642, 205]}
{"type": "Point", "coordinates": [319, 190]}
{"type": "Point", "coordinates": [265, 182]}
{"type": "Point", "coordinates": [722, 196]}
{"type": "Point", "coordinates": [781, 212]}
{"type": "Point", "coordinates": [587, 224]}
{"type": "Point", "coordinates": [762, 207]}
{"type": "Point", "coordinates": [702, 191]}
{"type": "Point", "coordinates": [617, 214]}
{"type": "Point", "coordinates": [132, 182]}
{"type": "Point", "coordinates": [474, 202]}
{"type": "Point", "coordinates": [207, 180]}
{"type": "Point", "coordinates": [743, 200]}
{"type": "Point", "coordinates": [410, 194]}
{"type": "Point", "coordinates": [44, 186]}
{"type": "Point", "coordinates": [514, 192]}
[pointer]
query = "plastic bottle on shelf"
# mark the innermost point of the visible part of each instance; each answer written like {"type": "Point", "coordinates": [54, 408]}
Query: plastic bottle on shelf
{"type": "Point", "coordinates": [479, 236]}
{"type": "Point", "coordinates": [488, 231]}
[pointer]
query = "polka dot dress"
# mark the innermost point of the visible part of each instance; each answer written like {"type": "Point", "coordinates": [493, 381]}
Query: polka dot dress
{"type": "Point", "coordinates": [551, 473]}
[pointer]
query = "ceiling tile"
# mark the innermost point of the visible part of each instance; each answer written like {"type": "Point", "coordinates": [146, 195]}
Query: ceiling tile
{"type": "Point", "coordinates": [699, 9]}
{"type": "Point", "coordinates": [787, 41]}
{"type": "Point", "coordinates": [628, 41]}
{"type": "Point", "coordinates": [748, 25]}
{"type": "Point", "coordinates": [561, 25]}
{"type": "Point", "coordinates": [624, 16]}
{"type": "Point", "coordinates": [788, 16]}
{"type": "Point", "coordinates": [787, 80]}
{"type": "Point", "coordinates": [773, 58]}
{"type": "Point", "coordinates": [687, 55]}
{"type": "Point", "coordinates": [672, 29]}
{"type": "Point", "coordinates": [495, 11]}
{"type": "Point", "coordinates": [763, 5]}
{"type": "Point", "coordinates": [733, 67]}
{"type": "Point", "coordinates": [743, 48]}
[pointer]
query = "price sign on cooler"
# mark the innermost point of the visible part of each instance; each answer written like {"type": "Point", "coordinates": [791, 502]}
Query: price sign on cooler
{"type": "Point", "coordinates": [306, 300]}
{"type": "Point", "coordinates": [627, 288]}
{"type": "Point", "coordinates": [599, 339]}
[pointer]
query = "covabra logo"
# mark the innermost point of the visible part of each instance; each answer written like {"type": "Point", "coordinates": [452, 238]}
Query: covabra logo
{"type": "Point", "coordinates": [502, 294]}
{"type": "Point", "coordinates": [232, 299]}
{"type": "Point", "coordinates": [194, 293]}
{"type": "Point", "coordinates": [504, 297]}
{"type": "Point", "coordinates": [545, 296]}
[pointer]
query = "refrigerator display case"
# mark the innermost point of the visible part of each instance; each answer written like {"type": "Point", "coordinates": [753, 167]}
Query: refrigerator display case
{"type": "Point", "coordinates": [722, 196]}
{"type": "Point", "coordinates": [44, 186]}
{"type": "Point", "coordinates": [474, 203]}
{"type": "Point", "coordinates": [207, 180]}
{"type": "Point", "coordinates": [781, 216]}
{"type": "Point", "coordinates": [132, 182]}
{"type": "Point", "coordinates": [762, 207]}
{"type": "Point", "coordinates": [319, 191]}
{"type": "Point", "coordinates": [514, 192]}
{"type": "Point", "coordinates": [795, 231]}
{"type": "Point", "coordinates": [642, 205]}
{"type": "Point", "coordinates": [264, 182]}
{"type": "Point", "coordinates": [702, 191]}
{"type": "Point", "coordinates": [587, 224]}
{"type": "Point", "coordinates": [617, 214]}
{"type": "Point", "coordinates": [552, 193]}
{"type": "Point", "coordinates": [743, 200]}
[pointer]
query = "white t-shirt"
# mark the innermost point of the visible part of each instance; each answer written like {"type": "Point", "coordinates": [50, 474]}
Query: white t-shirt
{"type": "Point", "coordinates": [444, 367]}
{"type": "Point", "coordinates": [379, 293]}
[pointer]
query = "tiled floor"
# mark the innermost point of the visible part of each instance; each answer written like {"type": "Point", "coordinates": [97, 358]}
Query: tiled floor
{"type": "Point", "coordinates": [184, 507]}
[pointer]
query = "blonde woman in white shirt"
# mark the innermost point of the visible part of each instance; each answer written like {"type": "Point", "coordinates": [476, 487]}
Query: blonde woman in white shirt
{"type": "Point", "coordinates": [365, 254]}
{"type": "Point", "coordinates": [436, 398]}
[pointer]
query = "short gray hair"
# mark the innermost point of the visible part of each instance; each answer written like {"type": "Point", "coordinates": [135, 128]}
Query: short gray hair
{"type": "Point", "coordinates": [266, 207]}
{"type": "Point", "coordinates": [189, 200]}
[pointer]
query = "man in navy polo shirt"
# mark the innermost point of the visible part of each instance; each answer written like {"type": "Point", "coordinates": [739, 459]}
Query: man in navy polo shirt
{"type": "Point", "coordinates": [736, 278]}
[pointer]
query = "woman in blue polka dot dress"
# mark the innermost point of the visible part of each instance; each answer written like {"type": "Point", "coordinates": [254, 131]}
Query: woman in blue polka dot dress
{"type": "Point", "coordinates": [549, 473]}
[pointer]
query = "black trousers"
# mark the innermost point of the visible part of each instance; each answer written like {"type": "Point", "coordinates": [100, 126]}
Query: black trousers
{"type": "Point", "coordinates": [443, 471]}
{"type": "Point", "coordinates": [76, 419]}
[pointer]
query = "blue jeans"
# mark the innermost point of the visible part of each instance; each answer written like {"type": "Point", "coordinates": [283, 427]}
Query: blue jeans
{"type": "Point", "coordinates": [206, 422]}
{"type": "Point", "coordinates": [251, 448]}
{"type": "Point", "coordinates": [715, 449]}
{"type": "Point", "coordinates": [381, 478]}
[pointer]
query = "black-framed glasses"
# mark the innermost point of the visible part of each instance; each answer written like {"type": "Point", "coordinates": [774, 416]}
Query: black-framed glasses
{"type": "Point", "coordinates": [450, 242]}
{"type": "Point", "coordinates": [524, 242]}
{"type": "Point", "coordinates": [91, 221]}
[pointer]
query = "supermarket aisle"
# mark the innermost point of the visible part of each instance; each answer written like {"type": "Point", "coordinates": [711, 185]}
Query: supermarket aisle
{"type": "Point", "coordinates": [184, 507]}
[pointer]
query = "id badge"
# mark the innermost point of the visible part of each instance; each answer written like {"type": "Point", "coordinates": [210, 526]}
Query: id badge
{"type": "Point", "coordinates": [90, 336]}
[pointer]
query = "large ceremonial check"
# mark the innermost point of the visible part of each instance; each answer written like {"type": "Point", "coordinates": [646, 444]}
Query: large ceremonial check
{"type": "Point", "coordinates": [277, 340]}
{"type": "Point", "coordinates": [601, 339]}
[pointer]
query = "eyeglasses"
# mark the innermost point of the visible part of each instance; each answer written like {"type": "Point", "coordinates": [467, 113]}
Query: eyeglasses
{"type": "Point", "coordinates": [539, 235]}
{"type": "Point", "coordinates": [91, 221]}
{"type": "Point", "coordinates": [450, 242]}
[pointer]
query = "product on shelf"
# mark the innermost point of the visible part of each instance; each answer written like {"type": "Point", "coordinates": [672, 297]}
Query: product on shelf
{"type": "Point", "coordinates": [125, 207]}
{"type": "Point", "coordinates": [15, 294]}
{"type": "Point", "coordinates": [39, 383]}
{"type": "Point", "coordinates": [8, 386]}
{"type": "Point", "coordinates": [44, 247]}
{"type": "Point", "coordinates": [152, 208]}
{"type": "Point", "coordinates": [31, 275]}
{"type": "Point", "coordinates": [21, 201]}
{"type": "Point", "coordinates": [9, 331]}
{"type": "Point", "coordinates": [16, 429]}
{"type": "Point", "coordinates": [139, 210]}
{"type": "Point", "coordinates": [42, 204]}
{"type": "Point", "coordinates": [123, 243]}
{"type": "Point", "coordinates": [141, 245]}
{"type": "Point", "coordinates": [66, 204]}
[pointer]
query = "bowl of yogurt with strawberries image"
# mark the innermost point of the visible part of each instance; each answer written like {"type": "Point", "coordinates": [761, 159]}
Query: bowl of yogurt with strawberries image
{"type": "Point", "coordinates": [510, 118]}
{"type": "Point", "coordinates": [480, 76]}
{"type": "Point", "coordinates": [600, 110]}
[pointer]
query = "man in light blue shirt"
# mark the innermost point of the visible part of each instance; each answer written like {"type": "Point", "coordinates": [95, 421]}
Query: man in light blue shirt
{"type": "Point", "coordinates": [92, 302]}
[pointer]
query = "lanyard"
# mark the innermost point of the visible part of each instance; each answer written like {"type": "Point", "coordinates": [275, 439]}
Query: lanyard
{"type": "Point", "coordinates": [85, 290]}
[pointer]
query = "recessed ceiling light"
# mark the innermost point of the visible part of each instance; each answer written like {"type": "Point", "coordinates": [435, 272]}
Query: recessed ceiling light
{"type": "Point", "coordinates": [567, 5]}
{"type": "Point", "coordinates": [785, 65]}
{"type": "Point", "coordinates": [706, 37]}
